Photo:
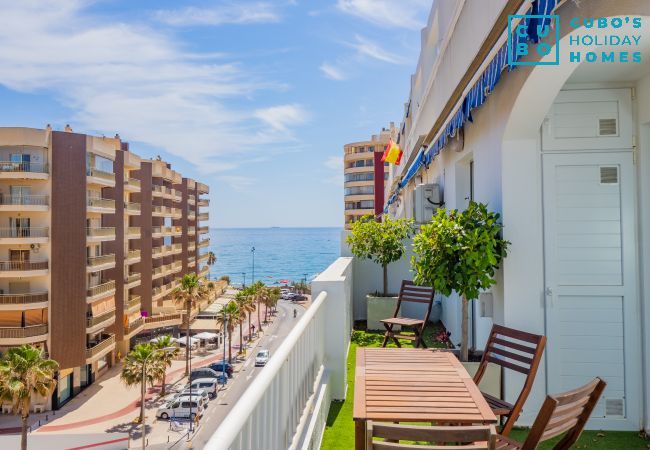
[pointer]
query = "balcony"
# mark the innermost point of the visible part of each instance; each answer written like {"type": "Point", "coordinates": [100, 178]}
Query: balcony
{"type": "Point", "coordinates": [23, 335]}
{"type": "Point", "coordinates": [10, 170]}
{"type": "Point", "coordinates": [101, 262]}
{"type": "Point", "coordinates": [162, 320]}
{"type": "Point", "coordinates": [24, 203]}
{"type": "Point", "coordinates": [203, 257]}
{"type": "Point", "coordinates": [202, 188]}
{"type": "Point", "coordinates": [176, 213]}
{"type": "Point", "coordinates": [97, 323]}
{"type": "Point", "coordinates": [133, 256]}
{"type": "Point", "coordinates": [100, 177]}
{"type": "Point", "coordinates": [30, 300]}
{"type": "Point", "coordinates": [157, 190]}
{"type": "Point", "coordinates": [204, 202]}
{"type": "Point", "coordinates": [177, 196]}
{"type": "Point", "coordinates": [191, 199]}
{"type": "Point", "coordinates": [204, 229]}
{"type": "Point", "coordinates": [100, 206]}
{"type": "Point", "coordinates": [99, 348]}
{"type": "Point", "coordinates": [176, 231]}
{"type": "Point", "coordinates": [133, 232]}
{"type": "Point", "coordinates": [157, 232]}
{"type": "Point", "coordinates": [191, 215]}
{"type": "Point", "coordinates": [132, 280]}
{"type": "Point", "coordinates": [176, 249]}
{"type": "Point", "coordinates": [132, 208]}
{"type": "Point", "coordinates": [132, 185]}
{"type": "Point", "coordinates": [134, 327]}
{"type": "Point", "coordinates": [191, 247]}
{"type": "Point", "coordinates": [309, 368]}
{"type": "Point", "coordinates": [204, 243]}
{"type": "Point", "coordinates": [157, 272]}
{"type": "Point", "coordinates": [191, 261]}
{"type": "Point", "coordinates": [204, 271]}
{"type": "Point", "coordinates": [23, 268]}
{"type": "Point", "coordinates": [99, 234]}
{"type": "Point", "coordinates": [24, 235]}
{"type": "Point", "coordinates": [100, 291]}
{"type": "Point", "coordinates": [203, 217]}
{"type": "Point", "coordinates": [191, 231]}
{"type": "Point", "coordinates": [159, 292]}
{"type": "Point", "coordinates": [132, 303]}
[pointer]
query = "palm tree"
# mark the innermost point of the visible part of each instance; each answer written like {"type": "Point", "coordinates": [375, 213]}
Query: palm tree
{"type": "Point", "coordinates": [248, 306]}
{"type": "Point", "coordinates": [228, 316]}
{"type": "Point", "coordinates": [144, 359]}
{"type": "Point", "coordinates": [187, 294]}
{"type": "Point", "coordinates": [240, 298]}
{"type": "Point", "coordinates": [211, 258]}
{"type": "Point", "coordinates": [24, 371]}
{"type": "Point", "coordinates": [166, 358]}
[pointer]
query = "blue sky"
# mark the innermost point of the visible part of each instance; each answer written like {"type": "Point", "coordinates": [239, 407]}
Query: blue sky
{"type": "Point", "coordinates": [255, 98]}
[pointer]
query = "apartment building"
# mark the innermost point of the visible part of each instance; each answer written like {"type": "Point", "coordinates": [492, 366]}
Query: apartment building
{"type": "Point", "coordinates": [93, 240]}
{"type": "Point", "coordinates": [364, 176]}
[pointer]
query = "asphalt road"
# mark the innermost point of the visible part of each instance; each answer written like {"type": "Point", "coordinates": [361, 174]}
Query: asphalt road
{"type": "Point", "coordinates": [219, 408]}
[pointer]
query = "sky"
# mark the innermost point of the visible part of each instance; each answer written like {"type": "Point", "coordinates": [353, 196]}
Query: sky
{"type": "Point", "coordinates": [254, 98]}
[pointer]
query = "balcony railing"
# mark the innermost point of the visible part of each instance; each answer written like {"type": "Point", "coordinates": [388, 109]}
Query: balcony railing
{"type": "Point", "coordinates": [22, 265]}
{"type": "Point", "coordinates": [176, 248]}
{"type": "Point", "coordinates": [204, 229]}
{"type": "Point", "coordinates": [23, 332]}
{"type": "Point", "coordinates": [97, 173]}
{"type": "Point", "coordinates": [134, 326]}
{"type": "Point", "coordinates": [25, 200]}
{"type": "Point", "coordinates": [105, 203]}
{"type": "Point", "coordinates": [132, 231]}
{"type": "Point", "coordinates": [96, 320]}
{"type": "Point", "coordinates": [133, 277]}
{"type": "Point", "coordinates": [204, 243]}
{"type": "Point", "coordinates": [132, 182]}
{"type": "Point", "coordinates": [24, 232]}
{"type": "Point", "coordinates": [101, 289]}
{"type": "Point", "coordinates": [100, 232]}
{"type": "Point", "coordinates": [133, 254]}
{"type": "Point", "coordinates": [204, 216]}
{"type": "Point", "coordinates": [191, 199]}
{"type": "Point", "coordinates": [132, 302]}
{"type": "Point", "coordinates": [23, 299]}
{"type": "Point", "coordinates": [191, 230]}
{"type": "Point", "coordinates": [132, 207]}
{"type": "Point", "coordinates": [94, 261]}
{"type": "Point", "coordinates": [204, 202]}
{"type": "Point", "coordinates": [287, 405]}
{"type": "Point", "coordinates": [30, 167]}
{"type": "Point", "coordinates": [163, 318]}
{"type": "Point", "coordinates": [95, 348]}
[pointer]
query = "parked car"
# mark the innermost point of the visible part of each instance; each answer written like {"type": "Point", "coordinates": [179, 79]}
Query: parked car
{"type": "Point", "coordinates": [206, 372]}
{"type": "Point", "coordinates": [201, 393]}
{"type": "Point", "coordinates": [298, 298]}
{"type": "Point", "coordinates": [210, 385]}
{"type": "Point", "coordinates": [203, 401]}
{"type": "Point", "coordinates": [181, 408]}
{"type": "Point", "coordinates": [262, 358]}
{"type": "Point", "coordinates": [218, 367]}
{"type": "Point", "coordinates": [289, 296]}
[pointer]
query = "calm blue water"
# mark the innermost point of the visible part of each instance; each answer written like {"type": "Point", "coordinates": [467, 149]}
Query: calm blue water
{"type": "Point", "coordinates": [280, 253]}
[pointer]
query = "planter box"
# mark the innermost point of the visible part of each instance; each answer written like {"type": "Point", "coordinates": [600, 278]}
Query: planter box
{"type": "Point", "coordinates": [379, 308]}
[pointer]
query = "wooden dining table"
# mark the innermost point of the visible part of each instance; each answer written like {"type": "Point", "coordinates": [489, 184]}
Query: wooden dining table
{"type": "Point", "coordinates": [414, 385]}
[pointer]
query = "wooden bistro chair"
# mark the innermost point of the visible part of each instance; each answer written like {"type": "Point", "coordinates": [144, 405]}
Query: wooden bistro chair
{"type": "Point", "coordinates": [515, 350]}
{"type": "Point", "coordinates": [475, 437]}
{"type": "Point", "coordinates": [562, 413]}
{"type": "Point", "coordinates": [410, 292]}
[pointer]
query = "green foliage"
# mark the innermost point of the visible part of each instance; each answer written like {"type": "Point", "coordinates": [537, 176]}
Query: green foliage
{"type": "Point", "coordinates": [225, 278]}
{"type": "Point", "coordinates": [459, 251]}
{"type": "Point", "coordinates": [212, 258]}
{"type": "Point", "coordinates": [381, 242]}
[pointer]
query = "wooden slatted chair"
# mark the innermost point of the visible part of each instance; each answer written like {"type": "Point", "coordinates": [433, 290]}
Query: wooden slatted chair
{"type": "Point", "coordinates": [561, 413]}
{"type": "Point", "coordinates": [515, 350]}
{"type": "Point", "coordinates": [478, 437]}
{"type": "Point", "coordinates": [410, 293]}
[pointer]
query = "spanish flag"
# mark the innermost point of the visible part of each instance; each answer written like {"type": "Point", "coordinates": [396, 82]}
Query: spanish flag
{"type": "Point", "coordinates": [392, 154]}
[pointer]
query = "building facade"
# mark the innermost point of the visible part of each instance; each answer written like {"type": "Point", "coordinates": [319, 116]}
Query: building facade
{"type": "Point", "coordinates": [563, 153]}
{"type": "Point", "coordinates": [365, 175]}
{"type": "Point", "coordinates": [94, 239]}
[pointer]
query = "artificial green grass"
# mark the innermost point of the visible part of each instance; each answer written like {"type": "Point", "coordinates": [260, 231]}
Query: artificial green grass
{"type": "Point", "coordinates": [339, 432]}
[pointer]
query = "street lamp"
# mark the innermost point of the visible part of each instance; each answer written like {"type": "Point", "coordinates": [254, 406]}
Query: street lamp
{"type": "Point", "coordinates": [253, 252]}
{"type": "Point", "coordinates": [243, 274]}
{"type": "Point", "coordinates": [223, 365]}
{"type": "Point", "coordinates": [144, 387]}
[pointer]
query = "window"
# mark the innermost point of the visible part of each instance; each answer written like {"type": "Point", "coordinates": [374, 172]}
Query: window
{"type": "Point", "coordinates": [360, 190]}
{"type": "Point", "coordinates": [360, 176]}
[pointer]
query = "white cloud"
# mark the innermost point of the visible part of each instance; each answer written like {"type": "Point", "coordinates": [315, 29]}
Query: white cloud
{"type": "Point", "coordinates": [229, 13]}
{"type": "Point", "coordinates": [334, 163]}
{"type": "Point", "coordinates": [280, 118]}
{"type": "Point", "coordinates": [332, 72]}
{"type": "Point", "coordinates": [411, 14]}
{"type": "Point", "coordinates": [132, 79]}
{"type": "Point", "coordinates": [373, 50]}
{"type": "Point", "coordinates": [238, 183]}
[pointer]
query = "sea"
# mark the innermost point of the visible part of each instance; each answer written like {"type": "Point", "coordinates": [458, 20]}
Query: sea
{"type": "Point", "coordinates": [281, 254]}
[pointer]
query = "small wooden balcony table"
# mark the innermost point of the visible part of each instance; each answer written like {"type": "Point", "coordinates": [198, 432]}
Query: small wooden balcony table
{"type": "Point", "coordinates": [414, 385]}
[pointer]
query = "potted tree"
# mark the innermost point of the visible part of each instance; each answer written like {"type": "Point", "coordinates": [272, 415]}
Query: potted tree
{"type": "Point", "coordinates": [383, 243]}
{"type": "Point", "coordinates": [459, 251]}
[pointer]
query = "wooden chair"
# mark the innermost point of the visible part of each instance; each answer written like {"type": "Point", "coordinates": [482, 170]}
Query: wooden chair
{"type": "Point", "coordinates": [515, 350]}
{"type": "Point", "coordinates": [410, 292]}
{"type": "Point", "coordinates": [562, 413]}
{"type": "Point", "coordinates": [477, 437]}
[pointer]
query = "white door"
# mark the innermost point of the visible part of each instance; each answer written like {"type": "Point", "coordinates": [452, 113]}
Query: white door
{"type": "Point", "coordinates": [592, 309]}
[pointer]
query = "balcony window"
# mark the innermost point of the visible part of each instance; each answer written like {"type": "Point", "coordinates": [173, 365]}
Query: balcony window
{"type": "Point", "coordinates": [98, 162]}
{"type": "Point", "coordinates": [360, 177]}
{"type": "Point", "coordinates": [360, 190]}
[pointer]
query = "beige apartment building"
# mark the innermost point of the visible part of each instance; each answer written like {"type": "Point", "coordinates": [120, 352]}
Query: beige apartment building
{"type": "Point", "coordinates": [364, 176]}
{"type": "Point", "coordinates": [93, 240]}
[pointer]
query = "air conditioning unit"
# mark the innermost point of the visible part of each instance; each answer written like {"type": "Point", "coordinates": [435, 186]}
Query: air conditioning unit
{"type": "Point", "coordinates": [426, 199]}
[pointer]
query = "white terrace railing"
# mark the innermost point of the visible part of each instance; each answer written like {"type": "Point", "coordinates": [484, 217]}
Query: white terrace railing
{"type": "Point", "coordinates": [287, 405]}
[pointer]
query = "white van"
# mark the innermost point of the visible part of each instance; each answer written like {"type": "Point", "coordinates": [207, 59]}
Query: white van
{"type": "Point", "coordinates": [180, 408]}
{"type": "Point", "coordinates": [211, 385]}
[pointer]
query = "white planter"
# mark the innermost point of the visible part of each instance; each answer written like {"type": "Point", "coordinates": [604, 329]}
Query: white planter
{"type": "Point", "coordinates": [379, 308]}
